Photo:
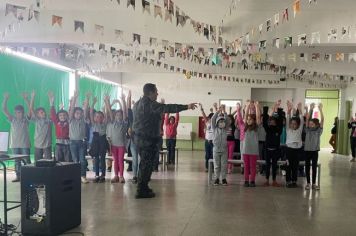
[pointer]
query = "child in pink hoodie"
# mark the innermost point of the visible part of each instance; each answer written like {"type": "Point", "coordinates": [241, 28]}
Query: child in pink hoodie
{"type": "Point", "coordinates": [171, 123]}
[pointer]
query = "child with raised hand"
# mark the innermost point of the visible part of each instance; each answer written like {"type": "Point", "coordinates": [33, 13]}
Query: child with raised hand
{"type": "Point", "coordinates": [99, 144]}
{"type": "Point", "coordinates": [171, 123]}
{"type": "Point", "coordinates": [43, 132]}
{"type": "Point", "coordinates": [294, 126]}
{"type": "Point", "coordinates": [117, 131]}
{"type": "Point", "coordinates": [77, 133]}
{"type": "Point", "coordinates": [132, 145]}
{"type": "Point", "coordinates": [314, 129]}
{"type": "Point", "coordinates": [250, 150]}
{"type": "Point", "coordinates": [19, 133]}
{"type": "Point", "coordinates": [230, 128]}
{"type": "Point", "coordinates": [61, 122]}
{"type": "Point", "coordinates": [218, 123]}
{"type": "Point", "coordinates": [273, 126]}
{"type": "Point", "coordinates": [208, 137]}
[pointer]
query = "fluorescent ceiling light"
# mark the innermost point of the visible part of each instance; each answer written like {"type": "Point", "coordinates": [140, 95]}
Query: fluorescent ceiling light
{"type": "Point", "coordinates": [93, 77]}
{"type": "Point", "coordinates": [36, 60]}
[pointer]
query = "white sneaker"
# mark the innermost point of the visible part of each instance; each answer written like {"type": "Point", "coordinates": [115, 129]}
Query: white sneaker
{"type": "Point", "coordinates": [316, 187]}
{"type": "Point", "coordinates": [352, 160]}
{"type": "Point", "coordinates": [307, 187]}
{"type": "Point", "coordinates": [84, 180]}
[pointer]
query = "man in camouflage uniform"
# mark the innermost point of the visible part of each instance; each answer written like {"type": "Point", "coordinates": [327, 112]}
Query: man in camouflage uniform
{"type": "Point", "coordinates": [146, 128]}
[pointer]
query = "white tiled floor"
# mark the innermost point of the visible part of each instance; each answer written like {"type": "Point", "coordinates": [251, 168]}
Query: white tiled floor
{"type": "Point", "coordinates": [185, 205]}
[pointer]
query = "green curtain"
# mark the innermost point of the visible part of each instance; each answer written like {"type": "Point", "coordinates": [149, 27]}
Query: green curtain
{"type": "Point", "coordinates": [98, 89]}
{"type": "Point", "coordinates": [19, 75]}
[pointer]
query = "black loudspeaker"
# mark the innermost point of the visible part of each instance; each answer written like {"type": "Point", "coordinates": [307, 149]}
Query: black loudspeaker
{"type": "Point", "coordinates": [50, 199]}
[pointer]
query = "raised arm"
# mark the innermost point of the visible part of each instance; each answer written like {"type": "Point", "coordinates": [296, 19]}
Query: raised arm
{"type": "Point", "coordinates": [91, 113]}
{"type": "Point", "coordinates": [166, 119]}
{"type": "Point", "coordinates": [215, 105]}
{"type": "Point", "coordinates": [108, 110]}
{"type": "Point", "coordinates": [321, 115]}
{"type": "Point", "coordinates": [72, 103]}
{"type": "Point", "coordinates": [300, 110]}
{"type": "Point", "coordinates": [213, 120]}
{"type": "Point", "coordinates": [86, 105]}
{"type": "Point", "coordinates": [309, 114]}
{"type": "Point", "coordinates": [289, 111]}
{"type": "Point", "coordinates": [258, 112]}
{"type": "Point", "coordinates": [32, 104]}
{"type": "Point", "coordinates": [203, 113]}
{"type": "Point", "coordinates": [177, 119]}
{"type": "Point", "coordinates": [29, 103]}
{"type": "Point", "coordinates": [239, 119]}
{"type": "Point", "coordinates": [280, 121]}
{"type": "Point", "coordinates": [247, 111]}
{"type": "Point", "coordinates": [265, 118]}
{"type": "Point", "coordinates": [159, 108]}
{"type": "Point", "coordinates": [53, 110]}
{"type": "Point", "coordinates": [129, 100]}
{"type": "Point", "coordinates": [4, 107]}
{"type": "Point", "coordinates": [124, 106]}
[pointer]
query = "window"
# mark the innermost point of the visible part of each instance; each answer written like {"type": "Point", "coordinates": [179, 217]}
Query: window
{"type": "Point", "coordinates": [230, 104]}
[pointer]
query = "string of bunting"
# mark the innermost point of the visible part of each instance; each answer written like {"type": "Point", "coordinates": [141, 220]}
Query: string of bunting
{"type": "Point", "coordinates": [278, 19]}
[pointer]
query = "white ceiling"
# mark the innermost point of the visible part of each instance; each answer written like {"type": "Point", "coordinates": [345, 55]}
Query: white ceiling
{"type": "Point", "coordinates": [323, 16]}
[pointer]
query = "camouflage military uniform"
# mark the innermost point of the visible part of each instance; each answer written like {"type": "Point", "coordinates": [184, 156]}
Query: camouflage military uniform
{"type": "Point", "coordinates": [146, 129]}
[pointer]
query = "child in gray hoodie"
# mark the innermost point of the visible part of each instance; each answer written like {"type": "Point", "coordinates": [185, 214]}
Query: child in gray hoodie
{"type": "Point", "coordinates": [218, 122]}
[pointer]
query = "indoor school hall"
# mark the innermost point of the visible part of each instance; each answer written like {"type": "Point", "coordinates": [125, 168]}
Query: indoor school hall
{"type": "Point", "coordinates": [177, 117]}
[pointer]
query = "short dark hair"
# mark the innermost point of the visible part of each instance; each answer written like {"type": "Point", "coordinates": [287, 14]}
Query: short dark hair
{"type": "Point", "coordinates": [19, 108]}
{"type": "Point", "coordinates": [149, 88]}
{"type": "Point", "coordinates": [62, 112]}
{"type": "Point", "coordinates": [296, 119]}
{"type": "Point", "coordinates": [77, 109]}
{"type": "Point", "coordinates": [315, 121]}
{"type": "Point", "coordinates": [40, 109]}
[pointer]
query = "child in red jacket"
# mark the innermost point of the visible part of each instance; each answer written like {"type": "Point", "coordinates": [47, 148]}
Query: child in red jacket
{"type": "Point", "coordinates": [60, 120]}
{"type": "Point", "coordinates": [171, 123]}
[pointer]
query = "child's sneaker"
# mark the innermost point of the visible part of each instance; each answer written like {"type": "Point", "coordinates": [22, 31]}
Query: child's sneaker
{"type": "Point", "coordinates": [275, 184]}
{"type": "Point", "coordinates": [134, 180]}
{"type": "Point", "coordinates": [307, 187]}
{"type": "Point", "coordinates": [316, 187]}
{"type": "Point", "coordinates": [84, 180]}
{"type": "Point", "coordinates": [109, 169]}
{"type": "Point", "coordinates": [289, 185]}
{"type": "Point", "coordinates": [266, 184]}
{"type": "Point", "coordinates": [352, 160]}
{"type": "Point", "coordinates": [97, 179]}
{"type": "Point", "coordinates": [247, 184]}
{"type": "Point", "coordinates": [115, 180]}
{"type": "Point", "coordinates": [252, 184]}
{"type": "Point", "coordinates": [217, 182]}
{"type": "Point", "coordinates": [102, 179]}
{"type": "Point", "coordinates": [15, 180]}
{"type": "Point", "coordinates": [122, 180]}
{"type": "Point", "coordinates": [224, 182]}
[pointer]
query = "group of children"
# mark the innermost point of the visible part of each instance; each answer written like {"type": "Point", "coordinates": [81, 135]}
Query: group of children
{"type": "Point", "coordinates": [80, 131]}
{"type": "Point", "coordinates": [270, 136]}
{"type": "Point", "coordinates": [76, 131]}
